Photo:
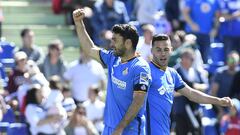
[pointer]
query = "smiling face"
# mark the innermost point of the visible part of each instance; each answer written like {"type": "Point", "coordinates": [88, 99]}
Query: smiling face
{"type": "Point", "coordinates": [161, 50]}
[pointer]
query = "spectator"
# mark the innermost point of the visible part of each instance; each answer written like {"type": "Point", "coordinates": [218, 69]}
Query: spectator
{"type": "Point", "coordinates": [82, 74]}
{"type": "Point", "coordinates": [33, 76]}
{"type": "Point", "coordinates": [106, 13]}
{"type": "Point", "coordinates": [144, 45]}
{"type": "Point", "coordinates": [55, 97]}
{"type": "Point", "coordinates": [189, 42]}
{"type": "Point", "coordinates": [230, 123]}
{"type": "Point", "coordinates": [39, 121]}
{"type": "Point", "coordinates": [68, 102]}
{"type": "Point", "coordinates": [230, 25]}
{"type": "Point", "coordinates": [79, 124]}
{"type": "Point", "coordinates": [33, 52]}
{"type": "Point", "coordinates": [235, 88]}
{"type": "Point", "coordinates": [194, 12]}
{"type": "Point", "coordinates": [192, 77]}
{"type": "Point", "coordinates": [53, 103]}
{"type": "Point", "coordinates": [174, 15]}
{"type": "Point", "coordinates": [16, 77]}
{"type": "Point", "coordinates": [223, 78]}
{"type": "Point", "coordinates": [53, 63]}
{"type": "Point", "coordinates": [148, 12]}
{"type": "Point", "coordinates": [93, 105]}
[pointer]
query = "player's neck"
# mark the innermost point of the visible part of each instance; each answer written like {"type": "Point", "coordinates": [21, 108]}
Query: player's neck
{"type": "Point", "coordinates": [159, 66]}
{"type": "Point", "coordinates": [127, 57]}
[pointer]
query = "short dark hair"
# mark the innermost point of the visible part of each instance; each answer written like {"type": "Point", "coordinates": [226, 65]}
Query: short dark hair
{"type": "Point", "coordinates": [55, 44]}
{"type": "Point", "coordinates": [160, 37]}
{"type": "Point", "coordinates": [31, 97]}
{"type": "Point", "coordinates": [55, 82]}
{"type": "Point", "coordinates": [127, 31]}
{"type": "Point", "coordinates": [25, 31]}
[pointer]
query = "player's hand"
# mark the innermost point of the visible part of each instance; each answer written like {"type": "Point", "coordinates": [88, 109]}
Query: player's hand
{"type": "Point", "coordinates": [226, 101]}
{"type": "Point", "coordinates": [78, 15]}
{"type": "Point", "coordinates": [194, 27]}
{"type": "Point", "coordinates": [118, 131]}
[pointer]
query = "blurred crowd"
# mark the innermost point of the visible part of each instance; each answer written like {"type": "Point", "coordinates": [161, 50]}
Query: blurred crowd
{"type": "Point", "coordinates": [53, 97]}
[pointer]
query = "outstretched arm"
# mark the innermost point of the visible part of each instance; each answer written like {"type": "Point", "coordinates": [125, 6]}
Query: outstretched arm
{"type": "Point", "coordinates": [200, 97]}
{"type": "Point", "coordinates": [138, 100]}
{"type": "Point", "coordinates": [87, 44]}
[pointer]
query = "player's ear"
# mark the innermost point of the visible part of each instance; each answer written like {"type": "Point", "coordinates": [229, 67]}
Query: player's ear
{"type": "Point", "coordinates": [128, 43]}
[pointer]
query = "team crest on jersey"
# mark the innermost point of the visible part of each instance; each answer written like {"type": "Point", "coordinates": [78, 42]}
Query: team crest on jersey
{"type": "Point", "coordinates": [205, 7]}
{"type": "Point", "coordinates": [125, 71]}
{"type": "Point", "coordinates": [143, 78]}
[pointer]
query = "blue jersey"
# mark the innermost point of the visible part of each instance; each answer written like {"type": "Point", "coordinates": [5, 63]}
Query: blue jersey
{"type": "Point", "coordinates": [123, 80]}
{"type": "Point", "coordinates": [230, 27]}
{"type": "Point", "coordinates": [202, 12]}
{"type": "Point", "coordinates": [160, 99]}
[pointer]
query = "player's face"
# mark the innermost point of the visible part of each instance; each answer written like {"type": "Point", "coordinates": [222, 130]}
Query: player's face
{"type": "Point", "coordinates": [161, 51]}
{"type": "Point", "coordinates": [119, 48]}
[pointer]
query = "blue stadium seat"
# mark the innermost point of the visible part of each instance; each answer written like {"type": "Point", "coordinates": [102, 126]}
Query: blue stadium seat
{"type": "Point", "coordinates": [7, 54]}
{"type": "Point", "coordinates": [9, 116]}
{"type": "Point", "coordinates": [217, 56]}
{"type": "Point", "coordinates": [3, 127]}
{"type": "Point", "coordinates": [209, 120]}
{"type": "Point", "coordinates": [3, 76]}
{"type": "Point", "coordinates": [17, 129]}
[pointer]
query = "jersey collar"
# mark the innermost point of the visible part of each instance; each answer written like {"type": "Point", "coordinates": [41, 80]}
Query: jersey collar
{"type": "Point", "coordinates": [158, 66]}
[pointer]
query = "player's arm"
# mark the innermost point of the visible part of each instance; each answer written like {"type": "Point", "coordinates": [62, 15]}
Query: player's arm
{"type": "Point", "coordinates": [138, 100]}
{"type": "Point", "coordinates": [188, 19]}
{"type": "Point", "coordinates": [200, 97]}
{"type": "Point", "coordinates": [87, 44]}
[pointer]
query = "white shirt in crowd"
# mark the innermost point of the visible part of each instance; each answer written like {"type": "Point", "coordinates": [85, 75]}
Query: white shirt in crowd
{"type": "Point", "coordinates": [55, 97]}
{"type": "Point", "coordinates": [144, 49]}
{"type": "Point", "coordinates": [92, 108]}
{"type": "Point", "coordinates": [33, 115]}
{"type": "Point", "coordinates": [82, 76]}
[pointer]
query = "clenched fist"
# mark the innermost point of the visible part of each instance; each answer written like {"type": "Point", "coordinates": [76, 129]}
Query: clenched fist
{"type": "Point", "coordinates": [226, 101]}
{"type": "Point", "coordinates": [78, 15]}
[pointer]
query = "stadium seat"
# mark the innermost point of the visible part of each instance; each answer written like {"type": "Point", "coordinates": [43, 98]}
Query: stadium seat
{"type": "Point", "coordinates": [17, 129]}
{"type": "Point", "coordinates": [216, 54]}
{"type": "Point", "coordinates": [209, 120]}
{"type": "Point", "coordinates": [3, 76]}
{"type": "Point", "coordinates": [9, 116]}
{"type": "Point", "coordinates": [7, 54]}
{"type": "Point", "coordinates": [3, 127]}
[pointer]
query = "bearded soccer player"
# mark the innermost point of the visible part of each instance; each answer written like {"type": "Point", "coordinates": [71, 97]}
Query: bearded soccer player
{"type": "Point", "coordinates": [128, 78]}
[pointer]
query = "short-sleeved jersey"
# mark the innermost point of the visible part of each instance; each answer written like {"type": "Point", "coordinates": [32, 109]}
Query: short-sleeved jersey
{"type": "Point", "coordinates": [202, 10]}
{"type": "Point", "coordinates": [160, 99]}
{"type": "Point", "coordinates": [123, 80]}
{"type": "Point", "coordinates": [230, 27]}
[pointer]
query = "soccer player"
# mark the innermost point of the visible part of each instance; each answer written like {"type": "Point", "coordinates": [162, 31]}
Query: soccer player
{"type": "Point", "coordinates": [166, 81]}
{"type": "Point", "coordinates": [128, 78]}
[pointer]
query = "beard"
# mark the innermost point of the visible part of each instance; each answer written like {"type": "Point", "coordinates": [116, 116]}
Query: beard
{"type": "Point", "coordinates": [119, 52]}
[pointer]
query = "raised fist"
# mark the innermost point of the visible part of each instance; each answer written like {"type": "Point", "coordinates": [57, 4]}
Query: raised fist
{"type": "Point", "coordinates": [78, 15]}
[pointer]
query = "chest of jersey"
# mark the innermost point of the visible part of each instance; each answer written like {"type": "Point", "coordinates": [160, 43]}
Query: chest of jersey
{"type": "Point", "coordinates": [121, 76]}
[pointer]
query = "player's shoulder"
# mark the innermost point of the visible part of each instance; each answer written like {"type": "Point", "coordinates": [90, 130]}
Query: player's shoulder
{"type": "Point", "coordinates": [139, 61]}
{"type": "Point", "coordinates": [139, 64]}
{"type": "Point", "coordinates": [172, 70]}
